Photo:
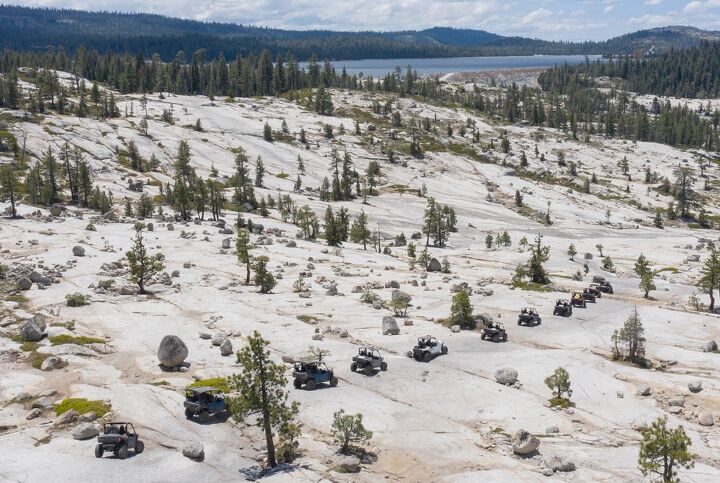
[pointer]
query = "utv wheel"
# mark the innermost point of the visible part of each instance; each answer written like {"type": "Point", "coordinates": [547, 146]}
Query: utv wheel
{"type": "Point", "coordinates": [353, 367]}
{"type": "Point", "coordinates": [505, 338]}
{"type": "Point", "coordinates": [427, 357]}
{"type": "Point", "coordinates": [188, 413]}
{"type": "Point", "coordinates": [519, 322]}
{"type": "Point", "coordinates": [539, 321]}
{"type": "Point", "coordinates": [204, 416]}
{"type": "Point", "coordinates": [297, 383]}
{"type": "Point", "coordinates": [99, 451]}
{"type": "Point", "coordinates": [368, 370]}
{"type": "Point", "coordinates": [444, 349]}
{"type": "Point", "coordinates": [496, 338]}
{"type": "Point", "coordinates": [333, 382]}
{"type": "Point", "coordinates": [122, 452]}
{"type": "Point", "coordinates": [139, 447]}
{"type": "Point", "coordinates": [310, 385]}
{"type": "Point", "coordinates": [383, 366]}
{"type": "Point", "coordinates": [482, 336]}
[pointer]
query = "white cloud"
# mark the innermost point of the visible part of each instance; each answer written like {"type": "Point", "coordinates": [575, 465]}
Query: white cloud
{"type": "Point", "coordinates": [535, 15]}
{"type": "Point", "coordinates": [609, 9]}
{"type": "Point", "coordinates": [698, 6]}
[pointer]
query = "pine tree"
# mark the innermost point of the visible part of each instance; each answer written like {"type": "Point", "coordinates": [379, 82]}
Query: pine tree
{"type": "Point", "coordinates": [143, 267]}
{"type": "Point", "coordinates": [261, 398]}
{"type": "Point", "coordinates": [263, 278]}
{"type": "Point", "coordinates": [646, 274]}
{"type": "Point", "coordinates": [267, 133]}
{"type": "Point", "coordinates": [629, 342]}
{"type": "Point", "coordinates": [710, 277]}
{"type": "Point", "coordinates": [259, 172]}
{"type": "Point", "coordinates": [461, 311]}
{"type": "Point", "coordinates": [9, 185]}
{"type": "Point", "coordinates": [559, 383]}
{"type": "Point", "coordinates": [243, 247]}
{"type": "Point", "coordinates": [359, 232]}
{"type": "Point", "coordinates": [572, 252]}
{"type": "Point", "coordinates": [663, 449]}
{"type": "Point", "coordinates": [347, 429]}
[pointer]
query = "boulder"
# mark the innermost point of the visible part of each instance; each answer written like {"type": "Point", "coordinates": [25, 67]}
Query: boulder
{"type": "Point", "coordinates": [66, 418]}
{"type": "Point", "coordinates": [710, 346]}
{"type": "Point", "coordinates": [291, 244]}
{"type": "Point", "coordinates": [390, 326]}
{"type": "Point", "coordinates": [434, 265]}
{"type": "Point", "coordinates": [226, 243]}
{"type": "Point", "coordinates": [524, 443]}
{"type": "Point", "coordinates": [399, 295]}
{"type": "Point", "coordinates": [85, 431]}
{"type": "Point", "coordinates": [56, 210]}
{"type": "Point", "coordinates": [150, 227]}
{"type": "Point", "coordinates": [24, 283]}
{"type": "Point", "coordinates": [175, 273]}
{"type": "Point", "coordinates": [78, 251]}
{"type": "Point", "coordinates": [194, 450]}
{"type": "Point", "coordinates": [643, 390]}
{"type": "Point", "coordinates": [455, 329]}
{"type": "Point", "coordinates": [32, 331]}
{"type": "Point", "coordinates": [172, 351]}
{"type": "Point", "coordinates": [392, 284]}
{"type": "Point", "coordinates": [706, 419]}
{"type": "Point", "coordinates": [288, 359]}
{"type": "Point", "coordinates": [51, 363]}
{"type": "Point", "coordinates": [110, 216]}
{"type": "Point", "coordinates": [695, 386]}
{"type": "Point", "coordinates": [332, 290]}
{"type": "Point", "coordinates": [506, 375]}
{"type": "Point", "coordinates": [558, 463]}
{"type": "Point", "coordinates": [34, 413]}
{"type": "Point", "coordinates": [678, 401]}
{"type": "Point", "coordinates": [226, 348]}
{"type": "Point", "coordinates": [552, 430]}
{"type": "Point", "coordinates": [88, 417]}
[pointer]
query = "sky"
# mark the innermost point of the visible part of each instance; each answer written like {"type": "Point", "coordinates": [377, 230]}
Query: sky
{"type": "Point", "coordinates": [547, 19]}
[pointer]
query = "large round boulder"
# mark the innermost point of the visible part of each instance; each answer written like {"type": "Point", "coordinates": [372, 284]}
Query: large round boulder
{"type": "Point", "coordinates": [434, 265]}
{"type": "Point", "coordinates": [172, 351]}
{"type": "Point", "coordinates": [506, 375]}
{"type": "Point", "coordinates": [78, 251]}
{"type": "Point", "coordinates": [194, 450]}
{"type": "Point", "coordinates": [85, 431]}
{"type": "Point", "coordinates": [400, 296]}
{"type": "Point", "coordinates": [32, 331]}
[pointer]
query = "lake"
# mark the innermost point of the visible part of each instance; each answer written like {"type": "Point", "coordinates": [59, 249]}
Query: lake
{"type": "Point", "coordinates": [380, 67]}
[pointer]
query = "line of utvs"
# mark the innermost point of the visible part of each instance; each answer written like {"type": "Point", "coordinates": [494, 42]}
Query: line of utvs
{"type": "Point", "coordinates": [202, 403]}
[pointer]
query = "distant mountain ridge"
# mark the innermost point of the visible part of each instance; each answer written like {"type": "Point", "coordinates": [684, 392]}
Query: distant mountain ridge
{"type": "Point", "coordinates": [24, 28]}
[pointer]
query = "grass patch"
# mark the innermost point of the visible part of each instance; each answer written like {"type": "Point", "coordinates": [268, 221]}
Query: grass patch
{"type": "Point", "coordinates": [82, 406]}
{"type": "Point", "coordinates": [75, 339]}
{"type": "Point", "coordinates": [29, 346]}
{"type": "Point", "coordinates": [36, 359]}
{"type": "Point", "coordinates": [282, 175]}
{"type": "Point", "coordinates": [220, 383]}
{"type": "Point", "coordinates": [672, 270]}
{"type": "Point", "coordinates": [17, 297]}
{"type": "Point", "coordinates": [559, 402]}
{"type": "Point", "coordinates": [76, 299]}
{"type": "Point", "coordinates": [531, 286]}
{"type": "Point", "coordinates": [308, 319]}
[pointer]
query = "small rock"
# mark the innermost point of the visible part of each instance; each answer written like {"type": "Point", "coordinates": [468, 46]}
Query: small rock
{"type": "Point", "coordinates": [434, 265]}
{"type": "Point", "coordinates": [678, 401]}
{"type": "Point", "coordinates": [558, 463]}
{"type": "Point", "coordinates": [317, 336]}
{"type": "Point", "coordinates": [710, 346]}
{"type": "Point", "coordinates": [226, 243]}
{"type": "Point", "coordinates": [85, 431]}
{"type": "Point", "coordinates": [51, 363]}
{"type": "Point", "coordinates": [205, 336]}
{"type": "Point", "coordinates": [175, 273]}
{"type": "Point", "coordinates": [455, 329]}
{"type": "Point", "coordinates": [552, 430]}
{"type": "Point", "coordinates": [524, 443]}
{"type": "Point", "coordinates": [186, 265]}
{"type": "Point", "coordinates": [695, 386]}
{"type": "Point", "coordinates": [88, 417]}
{"type": "Point", "coordinates": [643, 390]}
{"type": "Point", "coordinates": [66, 418]}
{"type": "Point", "coordinates": [128, 290]}
{"type": "Point", "coordinates": [408, 322]}
{"type": "Point", "coordinates": [390, 326]}
{"type": "Point", "coordinates": [24, 283]}
{"type": "Point", "coordinates": [706, 419]}
{"type": "Point", "coordinates": [32, 331]}
{"type": "Point", "coordinates": [35, 413]}
{"type": "Point", "coordinates": [194, 450]}
{"type": "Point", "coordinates": [226, 348]}
{"type": "Point", "coordinates": [78, 251]}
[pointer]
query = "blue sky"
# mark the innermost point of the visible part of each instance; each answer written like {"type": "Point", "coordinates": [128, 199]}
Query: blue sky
{"type": "Point", "coordinates": [547, 19]}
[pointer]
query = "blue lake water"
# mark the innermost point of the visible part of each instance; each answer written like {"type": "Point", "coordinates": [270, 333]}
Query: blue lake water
{"type": "Point", "coordinates": [380, 67]}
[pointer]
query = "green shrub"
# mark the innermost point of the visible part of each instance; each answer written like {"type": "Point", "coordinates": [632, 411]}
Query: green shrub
{"type": "Point", "coordinates": [77, 299]}
{"type": "Point", "coordinates": [75, 339]}
{"type": "Point", "coordinates": [36, 359]}
{"type": "Point", "coordinates": [220, 383]}
{"type": "Point", "coordinates": [82, 406]}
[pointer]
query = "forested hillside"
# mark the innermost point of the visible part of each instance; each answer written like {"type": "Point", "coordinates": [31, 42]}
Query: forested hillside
{"type": "Point", "coordinates": [692, 73]}
{"type": "Point", "coordinates": [23, 28]}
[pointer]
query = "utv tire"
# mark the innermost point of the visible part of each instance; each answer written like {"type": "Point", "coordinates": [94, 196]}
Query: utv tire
{"type": "Point", "coordinates": [353, 367]}
{"type": "Point", "coordinates": [539, 321]}
{"type": "Point", "coordinates": [333, 382]}
{"type": "Point", "coordinates": [310, 385]}
{"type": "Point", "coordinates": [519, 322]}
{"type": "Point", "coordinates": [427, 357]}
{"type": "Point", "coordinates": [204, 416]}
{"type": "Point", "coordinates": [122, 452]}
{"type": "Point", "coordinates": [297, 383]}
{"type": "Point", "coordinates": [383, 366]}
{"type": "Point", "coordinates": [99, 451]}
{"type": "Point", "coordinates": [444, 350]}
{"type": "Point", "coordinates": [496, 338]}
{"type": "Point", "coordinates": [505, 338]}
{"type": "Point", "coordinates": [139, 447]}
{"type": "Point", "coordinates": [188, 413]}
{"type": "Point", "coordinates": [368, 370]}
{"type": "Point", "coordinates": [482, 336]}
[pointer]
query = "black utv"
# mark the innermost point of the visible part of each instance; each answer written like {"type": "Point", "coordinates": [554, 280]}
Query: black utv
{"type": "Point", "coordinates": [368, 361]}
{"type": "Point", "coordinates": [494, 332]}
{"type": "Point", "coordinates": [529, 316]}
{"type": "Point", "coordinates": [118, 437]}
{"type": "Point", "coordinates": [203, 402]}
{"type": "Point", "coordinates": [563, 308]}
